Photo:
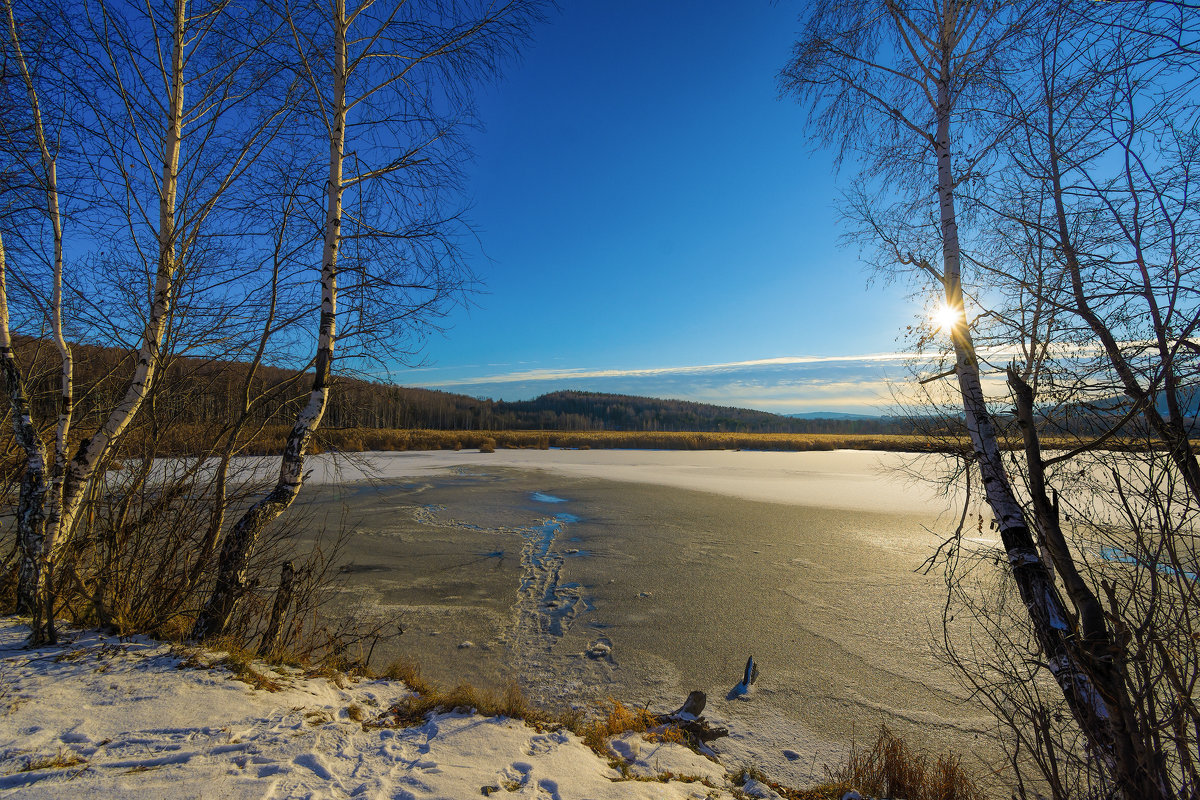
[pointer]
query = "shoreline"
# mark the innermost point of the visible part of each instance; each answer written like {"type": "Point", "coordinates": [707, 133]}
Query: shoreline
{"type": "Point", "coordinates": [180, 441]}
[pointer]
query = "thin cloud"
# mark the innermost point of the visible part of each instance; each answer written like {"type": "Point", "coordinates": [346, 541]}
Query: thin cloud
{"type": "Point", "coordinates": [867, 382]}
{"type": "Point", "coordinates": [986, 354]}
{"type": "Point", "coordinates": [691, 369]}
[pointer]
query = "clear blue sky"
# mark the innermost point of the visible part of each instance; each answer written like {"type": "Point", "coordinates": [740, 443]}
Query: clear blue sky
{"type": "Point", "coordinates": [653, 214]}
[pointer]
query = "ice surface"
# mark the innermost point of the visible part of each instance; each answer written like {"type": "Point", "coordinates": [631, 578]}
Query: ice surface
{"type": "Point", "coordinates": [859, 480]}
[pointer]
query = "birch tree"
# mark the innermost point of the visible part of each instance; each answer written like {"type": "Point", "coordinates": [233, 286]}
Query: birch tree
{"type": "Point", "coordinates": [1100, 172]}
{"type": "Point", "coordinates": [202, 181]}
{"type": "Point", "coordinates": [909, 89]}
{"type": "Point", "coordinates": [389, 85]}
{"type": "Point", "coordinates": [42, 167]}
{"type": "Point", "coordinates": [158, 93]}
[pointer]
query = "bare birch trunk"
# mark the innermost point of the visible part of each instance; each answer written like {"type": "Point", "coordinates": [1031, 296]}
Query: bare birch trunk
{"type": "Point", "coordinates": [79, 472]}
{"type": "Point", "coordinates": [33, 502]}
{"type": "Point", "coordinates": [1093, 711]}
{"type": "Point", "coordinates": [283, 599]}
{"type": "Point", "coordinates": [239, 543]}
{"type": "Point", "coordinates": [1097, 647]}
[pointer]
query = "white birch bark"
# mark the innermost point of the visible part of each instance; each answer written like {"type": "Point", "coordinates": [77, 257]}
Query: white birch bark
{"type": "Point", "coordinates": [940, 55]}
{"type": "Point", "coordinates": [36, 506]}
{"type": "Point", "coordinates": [82, 466]}
{"type": "Point", "coordinates": [240, 541]}
{"type": "Point", "coordinates": [1098, 713]}
{"type": "Point", "coordinates": [31, 502]}
{"type": "Point", "coordinates": [80, 470]}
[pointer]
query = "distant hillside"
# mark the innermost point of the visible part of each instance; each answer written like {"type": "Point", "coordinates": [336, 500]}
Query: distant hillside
{"type": "Point", "coordinates": [198, 391]}
{"type": "Point", "coordinates": [403, 407]}
{"type": "Point", "coordinates": [193, 391]}
{"type": "Point", "coordinates": [596, 411]}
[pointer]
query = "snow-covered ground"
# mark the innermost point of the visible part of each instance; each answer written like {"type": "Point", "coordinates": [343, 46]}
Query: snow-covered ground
{"type": "Point", "coordinates": [105, 717]}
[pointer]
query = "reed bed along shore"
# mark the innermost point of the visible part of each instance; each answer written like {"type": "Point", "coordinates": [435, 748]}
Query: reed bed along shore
{"type": "Point", "coordinates": [365, 439]}
{"type": "Point", "coordinates": [269, 441]}
{"type": "Point", "coordinates": [190, 439]}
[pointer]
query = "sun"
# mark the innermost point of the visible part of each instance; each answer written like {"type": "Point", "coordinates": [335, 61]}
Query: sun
{"type": "Point", "coordinates": [946, 317]}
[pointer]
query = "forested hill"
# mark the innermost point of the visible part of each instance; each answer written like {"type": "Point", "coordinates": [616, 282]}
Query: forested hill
{"type": "Point", "coordinates": [193, 390]}
{"type": "Point", "coordinates": [364, 404]}
{"type": "Point", "coordinates": [202, 391]}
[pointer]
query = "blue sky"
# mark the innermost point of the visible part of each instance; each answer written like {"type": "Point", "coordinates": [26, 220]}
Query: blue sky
{"type": "Point", "coordinates": [655, 222]}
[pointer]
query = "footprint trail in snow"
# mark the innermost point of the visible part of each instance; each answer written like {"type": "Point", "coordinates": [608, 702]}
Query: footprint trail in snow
{"type": "Point", "coordinates": [545, 606]}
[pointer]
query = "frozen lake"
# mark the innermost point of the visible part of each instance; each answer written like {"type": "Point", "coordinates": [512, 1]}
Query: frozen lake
{"type": "Point", "coordinates": [642, 575]}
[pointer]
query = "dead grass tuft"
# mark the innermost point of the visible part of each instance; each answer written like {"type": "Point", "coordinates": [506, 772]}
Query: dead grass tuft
{"type": "Point", "coordinates": [615, 718]}
{"type": "Point", "coordinates": [174, 630]}
{"type": "Point", "coordinates": [619, 719]}
{"type": "Point", "coordinates": [890, 768]}
{"type": "Point", "coordinates": [408, 672]}
{"type": "Point", "coordinates": [666, 777]}
{"type": "Point", "coordinates": [429, 698]}
{"type": "Point", "coordinates": [240, 662]}
{"type": "Point", "coordinates": [60, 760]}
{"type": "Point", "coordinates": [669, 734]}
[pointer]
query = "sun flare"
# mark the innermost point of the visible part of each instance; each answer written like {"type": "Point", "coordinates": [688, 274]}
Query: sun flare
{"type": "Point", "coordinates": [946, 317]}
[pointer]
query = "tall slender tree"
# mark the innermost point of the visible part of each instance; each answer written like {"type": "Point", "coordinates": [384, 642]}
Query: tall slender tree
{"type": "Point", "coordinates": [909, 89]}
{"type": "Point", "coordinates": [31, 512]}
{"type": "Point", "coordinates": [154, 93]}
{"type": "Point", "coordinates": [390, 87]}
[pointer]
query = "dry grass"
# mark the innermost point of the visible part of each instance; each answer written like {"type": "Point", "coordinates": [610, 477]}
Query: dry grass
{"type": "Point", "coordinates": [669, 734]}
{"type": "Point", "coordinates": [60, 760]}
{"type": "Point", "coordinates": [667, 776]}
{"type": "Point", "coordinates": [363, 439]}
{"type": "Point", "coordinates": [615, 719]}
{"type": "Point", "coordinates": [181, 439]}
{"type": "Point", "coordinates": [890, 768]}
{"type": "Point", "coordinates": [463, 697]}
{"type": "Point", "coordinates": [353, 440]}
{"type": "Point", "coordinates": [409, 673]}
{"type": "Point", "coordinates": [430, 698]}
{"type": "Point", "coordinates": [240, 663]}
{"type": "Point", "coordinates": [619, 719]}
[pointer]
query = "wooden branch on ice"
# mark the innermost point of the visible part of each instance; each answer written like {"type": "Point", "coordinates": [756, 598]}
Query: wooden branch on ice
{"type": "Point", "coordinates": [687, 718]}
{"type": "Point", "coordinates": [749, 676]}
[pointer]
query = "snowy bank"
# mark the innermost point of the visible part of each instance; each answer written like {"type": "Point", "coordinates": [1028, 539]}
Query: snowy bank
{"type": "Point", "coordinates": [102, 716]}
